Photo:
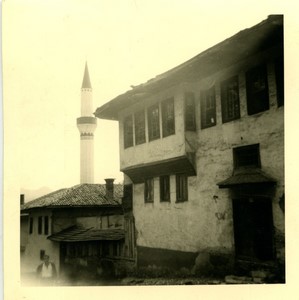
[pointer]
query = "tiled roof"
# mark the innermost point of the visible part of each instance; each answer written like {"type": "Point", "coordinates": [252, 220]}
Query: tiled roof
{"type": "Point", "coordinates": [81, 234]}
{"type": "Point", "coordinates": [78, 195]}
{"type": "Point", "coordinates": [246, 176]}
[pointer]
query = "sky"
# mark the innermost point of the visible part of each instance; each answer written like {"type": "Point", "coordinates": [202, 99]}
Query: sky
{"type": "Point", "coordinates": [125, 42]}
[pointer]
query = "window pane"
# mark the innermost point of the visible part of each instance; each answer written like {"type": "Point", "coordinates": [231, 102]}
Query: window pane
{"type": "Point", "coordinates": [46, 230]}
{"type": "Point", "coordinates": [128, 131]}
{"type": "Point", "coordinates": [190, 123]}
{"type": "Point", "coordinates": [168, 117]}
{"type": "Point", "coordinates": [164, 188]}
{"type": "Point", "coordinates": [139, 127]}
{"type": "Point", "coordinates": [31, 226]}
{"type": "Point", "coordinates": [230, 99]}
{"type": "Point", "coordinates": [149, 190]}
{"type": "Point", "coordinates": [247, 156]}
{"type": "Point", "coordinates": [208, 108]}
{"type": "Point", "coordinates": [181, 187]}
{"type": "Point", "coordinates": [153, 122]}
{"type": "Point", "coordinates": [40, 225]}
{"type": "Point", "coordinates": [257, 90]}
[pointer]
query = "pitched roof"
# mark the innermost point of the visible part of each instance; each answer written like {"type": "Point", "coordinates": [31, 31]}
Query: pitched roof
{"type": "Point", "coordinates": [81, 234]}
{"type": "Point", "coordinates": [86, 80]}
{"type": "Point", "coordinates": [81, 195]}
{"type": "Point", "coordinates": [247, 176]}
{"type": "Point", "coordinates": [240, 46]}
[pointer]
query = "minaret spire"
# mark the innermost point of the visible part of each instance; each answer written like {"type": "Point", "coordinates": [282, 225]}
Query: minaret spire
{"type": "Point", "coordinates": [86, 124]}
{"type": "Point", "coordinates": [86, 80]}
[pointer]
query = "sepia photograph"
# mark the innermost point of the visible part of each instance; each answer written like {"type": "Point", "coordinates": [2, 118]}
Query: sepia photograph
{"type": "Point", "coordinates": [148, 145]}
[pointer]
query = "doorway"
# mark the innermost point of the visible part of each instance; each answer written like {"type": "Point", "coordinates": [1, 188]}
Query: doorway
{"type": "Point", "coordinates": [253, 228]}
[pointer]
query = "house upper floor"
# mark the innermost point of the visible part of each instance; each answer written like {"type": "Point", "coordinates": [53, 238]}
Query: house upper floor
{"type": "Point", "coordinates": [226, 88]}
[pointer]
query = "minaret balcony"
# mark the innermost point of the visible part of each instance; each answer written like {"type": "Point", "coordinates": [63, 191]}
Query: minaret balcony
{"type": "Point", "coordinates": [86, 120]}
{"type": "Point", "coordinates": [87, 124]}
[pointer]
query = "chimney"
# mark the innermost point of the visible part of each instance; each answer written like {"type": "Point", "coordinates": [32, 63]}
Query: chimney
{"type": "Point", "coordinates": [109, 188]}
{"type": "Point", "coordinates": [22, 199]}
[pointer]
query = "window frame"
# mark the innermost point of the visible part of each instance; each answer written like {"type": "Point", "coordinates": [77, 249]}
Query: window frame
{"type": "Point", "coordinates": [46, 225]}
{"type": "Point", "coordinates": [168, 117]}
{"type": "Point", "coordinates": [139, 126]}
{"type": "Point", "coordinates": [128, 132]}
{"type": "Point", "coordinates": [257, 97]}
{"type": "Point", "coordinates": [164, 188]}
{"type": "Point", "coordinates": [40, 225]}
{"type": "Point", "coordinates": [252, 150]}
{"type": "Point", "coordinates": [181, 181]}
{"type": "Point", "coordinates": [31, 225]}
{"type": "Point", "coordinates": [153, 133]}
{"type": "Point", "coordinates": [225, 89]}
{"type": "Point", "coordinates": [149, 190]}
{"type": "Point", "coordinates": [189, 113]}
{"type": "Point", "coordinates": [208, 95]}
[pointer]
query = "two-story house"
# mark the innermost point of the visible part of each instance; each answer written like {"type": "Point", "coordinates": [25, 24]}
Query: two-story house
{"type": "Point", "coordinates": [82, 228]}
{"type": "Point", "coordinates": [202, 150]}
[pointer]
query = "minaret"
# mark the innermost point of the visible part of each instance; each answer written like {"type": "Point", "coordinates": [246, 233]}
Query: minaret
{"type": "Point", "coordinates": [86, 124]}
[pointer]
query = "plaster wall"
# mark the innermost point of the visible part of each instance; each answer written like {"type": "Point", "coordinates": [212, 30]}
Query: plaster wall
{"type": "Point", "coordinates": [159, 149]}
{"type": "Point", "coordinates": [37, 242]}
{"type": "Point", "coordinates": [102, 222]}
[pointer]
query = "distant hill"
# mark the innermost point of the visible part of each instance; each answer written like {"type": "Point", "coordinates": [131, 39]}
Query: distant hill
{"type": "Point", "coordinates": [33, 194]}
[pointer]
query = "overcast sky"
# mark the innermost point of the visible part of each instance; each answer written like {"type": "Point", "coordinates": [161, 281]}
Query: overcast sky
{"type": "Point", "coordinates": [126, 42]}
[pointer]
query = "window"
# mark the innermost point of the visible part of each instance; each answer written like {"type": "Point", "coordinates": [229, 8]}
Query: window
{"type": "Point", "coordinates": [279, 76]}
{"type": "Point", "coordinates": [42, 254]}
{"type": "Point", "coordinates": [40, 225]}
{"type": "Point", "coordinates": [164, 189]}
{"type": "Point", "coordinates": [46, 225]}
{"type": "Point", "coordinates": [149, 190]}
{"type": "Point", "coordinates": [153, 122]}
{"type": "Point", "coordinates": [208, 108]}
{"type": "Point", "coordinates": [168, 117]}
{"type": "Point", "coordinates": [181, 188]}
{"type": "Point", "coordinates": [128, 132]}
{"type": "Point", "coordinates": [139, 127]}
{"type": "Point", "coordinates": [190, 124]}
{"type": "Point", "coordinates": [257, 90]}
{"type": "Point", "coordinates": [230, 103]}
{"type": "Point", "coordinates": [30, 225]}
{"type": "Point", "coordinates": [247, 156]}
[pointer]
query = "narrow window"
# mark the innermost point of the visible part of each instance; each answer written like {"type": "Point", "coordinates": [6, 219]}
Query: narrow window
{"type": "Point", "coordinates": [30, 225]}
{"type": "Point", "coordinates": [149, 190]}
{"type": "Point", "coordinates": [230, 103]}
{"type": "Point", "coordinates": [164, 189]}
{"type": "Point", "coordinates": [257, 90]}
{"type": "Point", "coordinates": [208, 108]}
{"type": "Point", "coordinates": [139, 127]}
{"type": "Point", "coordinates": [181, 188]}
{"type": "Point", "coordinates": [279, 76]}
{"type": "Point", "coordinates": [168, 117]}
{"type": "Point", "coordinates": [247, 156]}
{"type": "Point", "coordinates": [190, 124]}
{"type": "Point", "coordinates": [46, 228]}
{"type": "Point", "coordinates": [128, 131]}
{"type": "Point", "coordinates": [42, 254]}
{"type": "Point", "coordinates": [153, 122]}
{"type": "Point", "coordinates": [40, 225]}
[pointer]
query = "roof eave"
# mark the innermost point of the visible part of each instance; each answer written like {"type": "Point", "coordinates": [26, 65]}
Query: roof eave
{"type": "Point", "coordinates": [110, 110]}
